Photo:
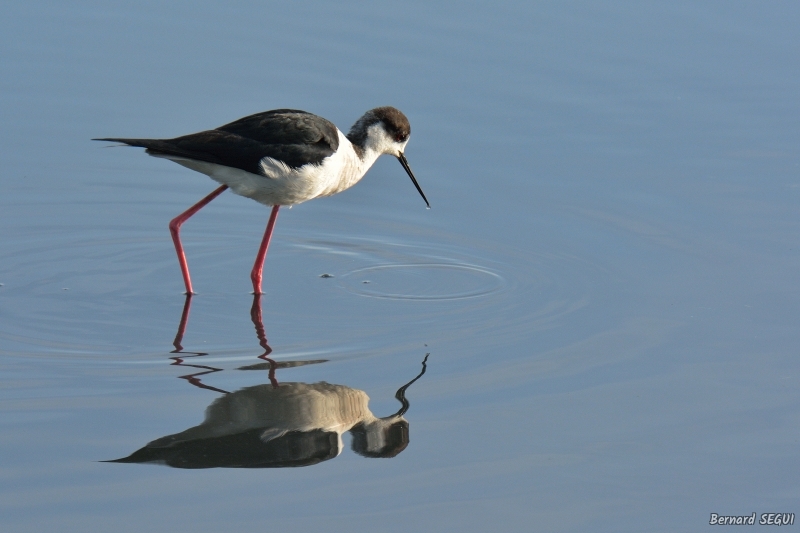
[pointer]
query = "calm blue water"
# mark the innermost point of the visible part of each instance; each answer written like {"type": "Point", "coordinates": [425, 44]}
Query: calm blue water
{"type": "Point", "coordinates": [606, 282]}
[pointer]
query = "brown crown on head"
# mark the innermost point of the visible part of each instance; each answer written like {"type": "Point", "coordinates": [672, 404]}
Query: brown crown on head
{"type": "Point", "coordinates": [395, 122]}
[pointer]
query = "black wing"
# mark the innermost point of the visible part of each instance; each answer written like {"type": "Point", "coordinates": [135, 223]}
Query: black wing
{"type": "Point", "coordinates": [294, 137]}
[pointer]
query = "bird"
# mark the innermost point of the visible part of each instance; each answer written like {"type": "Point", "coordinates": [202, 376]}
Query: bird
{"type": "Point", "coordinates": [280, 158]}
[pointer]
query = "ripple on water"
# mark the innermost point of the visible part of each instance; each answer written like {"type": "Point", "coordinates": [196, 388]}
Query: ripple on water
{"type": "Point", "coordinates": [508, 290]}
{"type": "Point", "coordinates": [422, 281]}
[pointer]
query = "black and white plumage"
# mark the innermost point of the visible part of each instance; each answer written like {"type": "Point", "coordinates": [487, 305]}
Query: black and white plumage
{"type": "Point", "coordinates": [282, 157]}
{"type": "Point", "coordinates": [304, 156]}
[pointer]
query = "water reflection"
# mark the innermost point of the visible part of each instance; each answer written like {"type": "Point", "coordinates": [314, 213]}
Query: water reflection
{"type": "Point", "coordinates": [276, 424]}
{"type": "Point", "coordinates": [256, 317]}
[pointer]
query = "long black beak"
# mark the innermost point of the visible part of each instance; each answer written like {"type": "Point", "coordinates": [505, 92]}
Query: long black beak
{"type": "Point", "coordinates": [402, 159]}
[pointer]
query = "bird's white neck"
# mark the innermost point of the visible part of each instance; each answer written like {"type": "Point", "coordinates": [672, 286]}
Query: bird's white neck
{"type": "Point", "coordinates": [361, 158]}
{"type": "Point", "coordinates": [356, 154]}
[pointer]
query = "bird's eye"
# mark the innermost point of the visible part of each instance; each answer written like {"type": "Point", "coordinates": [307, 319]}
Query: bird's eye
{"type": "Point", "coordinates": [399, 137]}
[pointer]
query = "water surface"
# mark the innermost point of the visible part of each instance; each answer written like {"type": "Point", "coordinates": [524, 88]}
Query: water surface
{"type": "Point", "coordinates": [606, 282]}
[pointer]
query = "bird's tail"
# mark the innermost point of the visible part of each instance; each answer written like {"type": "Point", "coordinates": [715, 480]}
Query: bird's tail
{"type": "Point", "coordinates": [143, 143]}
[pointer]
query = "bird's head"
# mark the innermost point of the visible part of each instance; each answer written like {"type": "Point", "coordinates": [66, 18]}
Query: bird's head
{"type": "Point", "coordinates": [385, 130]}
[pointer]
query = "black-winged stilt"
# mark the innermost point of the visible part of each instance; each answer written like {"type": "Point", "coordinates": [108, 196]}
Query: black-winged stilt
{"type": "Point", "coordinates": [281, 157]}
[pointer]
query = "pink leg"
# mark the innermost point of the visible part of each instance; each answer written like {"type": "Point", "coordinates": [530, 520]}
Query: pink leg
{"type": "Point", "coordinates": [258, 267]}
{"type": "Point", "coordinates": [175, 228]}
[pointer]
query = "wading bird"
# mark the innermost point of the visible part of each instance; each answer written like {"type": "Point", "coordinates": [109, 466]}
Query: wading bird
{"type": "Point", "coordinates": [281, 157]}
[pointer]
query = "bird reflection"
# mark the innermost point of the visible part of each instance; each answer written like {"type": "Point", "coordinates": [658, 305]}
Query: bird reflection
{"type": "Point", "coordinates": [256, 317]}
{"type": "Point", "coordinates": [194, 378]}
{"type": "Point", "coordinates": [276, 425]}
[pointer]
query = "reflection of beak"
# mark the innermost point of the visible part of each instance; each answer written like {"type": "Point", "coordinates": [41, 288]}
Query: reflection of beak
{"type": "Point", "coordinates": [403, 162]}
{"type": "Point", "coordinates": [401, 392]}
